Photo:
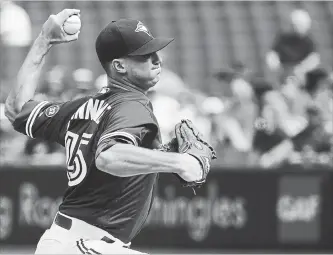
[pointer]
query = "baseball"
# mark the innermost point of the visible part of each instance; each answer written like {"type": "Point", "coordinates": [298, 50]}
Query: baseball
{"type": "Point", "coordinates": [72, 25]}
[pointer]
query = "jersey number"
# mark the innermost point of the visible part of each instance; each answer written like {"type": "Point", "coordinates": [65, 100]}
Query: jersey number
{"type": "Point", "coordinates": [76, 164]}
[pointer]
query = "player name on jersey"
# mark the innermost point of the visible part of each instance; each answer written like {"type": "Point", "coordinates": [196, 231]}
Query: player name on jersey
{"type": "Point", "coordinates": [93, 109]}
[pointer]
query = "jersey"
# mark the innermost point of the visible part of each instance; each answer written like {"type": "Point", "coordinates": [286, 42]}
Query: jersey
{"type": "Point", "coordinates": [86, 127]}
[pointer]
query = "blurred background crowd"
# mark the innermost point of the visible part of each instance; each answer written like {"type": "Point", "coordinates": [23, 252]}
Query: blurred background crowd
{"type": "Point", "coordinates": [255, 77]}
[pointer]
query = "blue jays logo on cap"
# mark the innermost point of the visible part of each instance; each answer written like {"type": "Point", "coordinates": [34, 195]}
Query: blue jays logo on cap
{"type": "Point", "coordinates": [142, 28]}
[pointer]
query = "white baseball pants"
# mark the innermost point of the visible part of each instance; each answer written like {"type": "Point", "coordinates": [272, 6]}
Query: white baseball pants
{"type": "Point", "coordinates": [80, 238]}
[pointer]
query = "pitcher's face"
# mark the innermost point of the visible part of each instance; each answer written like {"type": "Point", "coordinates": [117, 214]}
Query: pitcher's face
{"type": "Point", "coordinates": [143, 71]}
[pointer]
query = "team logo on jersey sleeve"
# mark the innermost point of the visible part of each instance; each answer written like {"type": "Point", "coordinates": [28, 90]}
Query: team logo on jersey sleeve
{"type": "Point", "coordinates": [52, 110]}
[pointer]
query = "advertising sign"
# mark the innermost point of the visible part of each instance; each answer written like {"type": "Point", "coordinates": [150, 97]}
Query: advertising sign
{"type": "Point", "coordinates": [235, 209]}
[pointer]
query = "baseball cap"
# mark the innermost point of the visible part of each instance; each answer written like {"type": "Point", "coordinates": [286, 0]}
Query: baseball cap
{"type": "Point", "coordinates": [127, 37]}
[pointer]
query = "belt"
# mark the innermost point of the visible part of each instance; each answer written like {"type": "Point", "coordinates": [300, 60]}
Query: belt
{"type": "Point", "coordinates": [66, 223]}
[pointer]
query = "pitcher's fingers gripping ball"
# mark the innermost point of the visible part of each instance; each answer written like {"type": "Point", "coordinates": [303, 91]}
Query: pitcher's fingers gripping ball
{"type": "Point", "coordinates": [53, 29]}
{"type": "Point", "coordinates": [191, 141]}
{"type": "Point", "coordinates": [72, 25]}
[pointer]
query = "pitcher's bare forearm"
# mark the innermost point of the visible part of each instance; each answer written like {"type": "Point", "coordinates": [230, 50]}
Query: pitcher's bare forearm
{"type": "Point", "coordinates": [127, 160]}
{"type": "Point", "coordinates": [27, 79]}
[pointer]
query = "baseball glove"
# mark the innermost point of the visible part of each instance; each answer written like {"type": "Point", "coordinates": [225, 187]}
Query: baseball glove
{"type": "Point", "coordinates": [189, 140]}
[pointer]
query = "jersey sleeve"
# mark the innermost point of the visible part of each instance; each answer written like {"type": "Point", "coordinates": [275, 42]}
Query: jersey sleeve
{"type": "Point", "coordinates": [132, 123]}
{"type": "Point", "coordinates": [41, 120]}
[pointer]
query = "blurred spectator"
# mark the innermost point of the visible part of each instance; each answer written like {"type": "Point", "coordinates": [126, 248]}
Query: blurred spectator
{"type": "Point", "coordinates": [317, 139]}
{"type": "Point", "coordinates": [54, 88]}
{"type": "Point", "coordinates": [232, 126]}
{"type": "Point", "coordinates": [15, 29]}
{"type": "Point", "coordinates": [190, 108]}
{"type": "Point", "coordinates": [173, 101]}
{"type": "Point", "coordinates": [287, 127]}
{"type": "Point", "coordinates": [170, 84]}
{"type": "Point", "coordinates": [40, 152]}
{"type": "Point", "coordinates": [236, 121]}
{"type": "Point", "coordinates": [12, 144]}
{"type": "Point", "coordinates": [319, 85]}
{"type": "Point", "coordinates": [270, 139]}
{"type": "Point", "coordinates": [294, 52]}
{"type": "Point", "coordinates": [163, 94]}
{"type": "Point", "coordinates": [100, 82]}
{"type": "Point", "coordinates": [212, 108]}
{"type": "Point", "coordinates": [83, 83]}
{"type": "Point", "coordinates": [15, 40]}
{"type": "Point", "coordinates": [165, 109]}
